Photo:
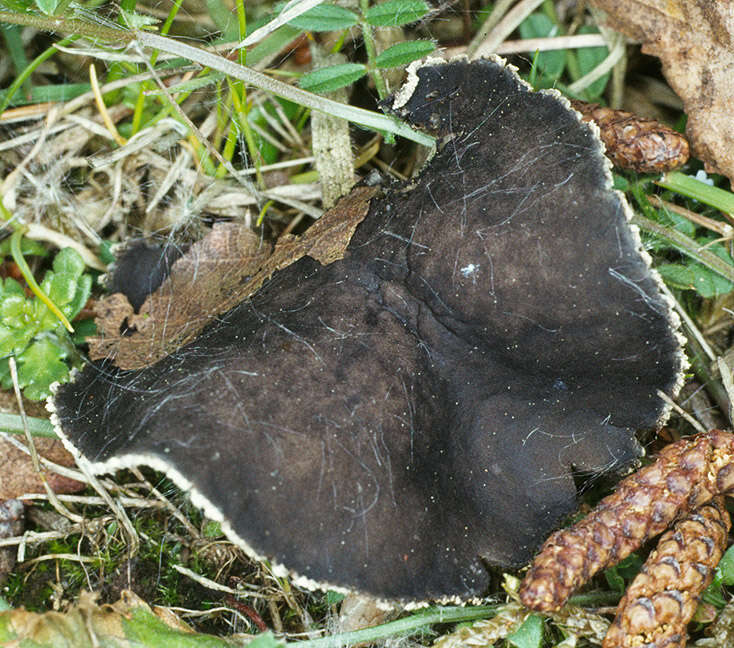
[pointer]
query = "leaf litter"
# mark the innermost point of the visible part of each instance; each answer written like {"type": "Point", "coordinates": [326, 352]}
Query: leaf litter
{"type": "Point", "coordinates": [695, 43]}
{"type": "Point", "coordinates": [228, 265]}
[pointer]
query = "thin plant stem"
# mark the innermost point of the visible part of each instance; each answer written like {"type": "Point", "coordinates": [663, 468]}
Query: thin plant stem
{"type": "Point", "coordinates": [140, 102]}
{"type": "Point", "coordinates": [72, 26]}
{"type": "Point", "coordinates": [503, 28]}
{"type": "Point", "coordinates": [30, 69]}
{"type": "Point", "coordinates": [408, 625]}
{"type": "Point", "coordinates": [686, 245]}
{"type": "Point", "coordinates": [369, 46]}
{"type": "Point", "coordinates": [291, 11]}
{"type": "Point", "coordinates": [15, 251]}
{"type": "Point", "coordinates": [360, 116]}
{"type": "Point", "coordinates": [500, 9]}
{"type": "Point", "coordinates": [616, 53]}
{"type": "Point", "coordinates": [243, 122]}
{"type": "Point", "coordinates": [693, 188]}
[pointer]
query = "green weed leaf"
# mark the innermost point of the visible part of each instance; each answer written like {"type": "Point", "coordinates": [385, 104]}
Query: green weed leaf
{"type": "Point", "coordinates": [618, 575]}
{"type": "Point", "coordinates": [16, 314]}
{"type": "Point", "coordinates": [41, 364]}
{"type": "Point", "coordinates": [723, 575]}
{"type": "Point", "coordinates": [695, 276]}
{"type": "Point", "coordinates": [134, 20]}
{"type": "Point", "coordinates": [396, 12]}
{"type": "Point", "coordinates": [266, 640]}
{"type": "Point", "coordinates": [725, 568]}
{"type": "Point", "coordinates": [10, 287]}
{"type": "Point", "coordinates": [47, 6]}
{"type": "Point", "coordinates": [332, 598]}
{"type": "Point", "coordinates": [33, 334]}
{"type": "Point", "coordinates": [212, 529]}
{"type": "Point", "coordinates": [27, 246]}
{"type": "Point", "coordinates": [404, 53]}
{"type": "Point", "coordinates": [325, 17]}
{"type": "Point", "coordinates": [65, 286]}
{"type": "Point", "coordinates": [332, 78]}
{"type": "Point", "coordinates": [14, 340]}
{"type": "Point", "coordinates": [589, 58]}
{"type": "Point", "coordinates": [529, 634]}
{"type": "Point", "coordinates": [550, 64]}
{"type": "Point", "coordinates": [82, 330]}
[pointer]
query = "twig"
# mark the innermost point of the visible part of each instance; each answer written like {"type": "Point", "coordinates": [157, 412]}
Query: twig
{"type": "Point", "coordinates": [60, 508]}
{"type": "Point", "coordinates": [723, 229]}
{"type": "Point", "coordinates": [550, 43]}
{"type": "Point", "coordinates": [42, 233]}
{"type": "Point", "coordinates": [213, 585]}
{"type": "Point", "coordinates": [290, 11]}
{"type": "Point", "coordinates": [98, 99]}
{"type": "Point", "coordinates": [503, 29]}
{"type": "Point", "coordinates": [681, 412]}
{"type": "Point", "coordinates": [616, 52]}
{"type": "Point", "coordinates": [499, 10]}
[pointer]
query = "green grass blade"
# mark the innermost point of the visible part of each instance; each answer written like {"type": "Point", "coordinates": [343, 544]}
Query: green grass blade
{"type": "Point", "coordinates": [408, 625]}
{"type": "Point", "coordinates": [688, 246]}
{"type": "Point", "coordinates": [38, 427]}
{"type": "Point", "coordinates": [693, 188]}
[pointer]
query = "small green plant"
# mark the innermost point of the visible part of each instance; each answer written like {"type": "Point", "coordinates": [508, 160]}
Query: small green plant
{"type": "Point", "coordinates": [564, 67]}
{"type": "Point", "coordinates": [31, 333]}
{"type": "Point", "coordinates": [529, 634]}
{"type": "Point", "coordinates": [695, 251]}
{"type": "Point", "coordinates": [723, 577]}
{"type": "Point", "coordinates": [392, 13]}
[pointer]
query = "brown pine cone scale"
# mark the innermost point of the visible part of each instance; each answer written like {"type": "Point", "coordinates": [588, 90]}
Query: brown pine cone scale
{"type": "Point", "coordinates": [684, 486]}
{"type": "Point", "coordinates": [632, 142]}
{"type": "Point", "coordinates": [664, 596]}
{"type": "Point", "coordinates": [645, 504]}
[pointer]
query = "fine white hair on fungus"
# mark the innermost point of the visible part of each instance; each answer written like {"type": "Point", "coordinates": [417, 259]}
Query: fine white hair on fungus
{"type": "Point", "coordinates": [391, 421]}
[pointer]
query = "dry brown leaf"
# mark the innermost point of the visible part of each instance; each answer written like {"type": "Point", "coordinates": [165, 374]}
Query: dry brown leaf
{"type": "Point", "coordinates": [199, 282]}
{"type": "Point", "coordinates": [18, 476]}
{"type": "Point", "coordinates": [325, 241]}
{"type": "Point", "coordinates": [127, 622]}
{"type": "Point", "coordinates": [214, 275]}
{"type": "Point", "coordinates": [359, 611]}
{"type": "Point", "coordinates": [694, 39]}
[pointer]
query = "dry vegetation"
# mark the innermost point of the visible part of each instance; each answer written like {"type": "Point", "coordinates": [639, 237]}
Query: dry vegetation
{"type": "Point", "coordinates": [104, 138]}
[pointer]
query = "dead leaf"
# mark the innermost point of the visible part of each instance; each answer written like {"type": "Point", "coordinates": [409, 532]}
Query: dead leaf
{"type": "Point", "coordinates": [325, 241]}
{"type": "Point", "coordinates": [694, 39]}
{"type": "Point", "coordinates": [18, 476]}
{"type": "Point", "coordinates": [127, 622]}
{"type": "Point", "coordinates": [199, 282]}
{"type": "Point", "coordinates": [359, 611]}
{"type": "Point", "coordinates": [215, 274]}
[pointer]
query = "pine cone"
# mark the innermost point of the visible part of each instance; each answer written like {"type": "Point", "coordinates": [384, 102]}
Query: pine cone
{"type": "Point", "coordinates": [663, 598]}
{"type": "Point", "coordinates": [643, 145]}
{"type": "Point", "coordinates": [684, 484]}
{"type": "Point", "coordinates": [681, 479]}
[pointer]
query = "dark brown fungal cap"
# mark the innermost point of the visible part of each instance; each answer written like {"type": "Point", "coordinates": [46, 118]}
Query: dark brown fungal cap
{"type": "Point", "coordinates": [140, 269]}
{"type": "Point", "coordinates": [391, 421]}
